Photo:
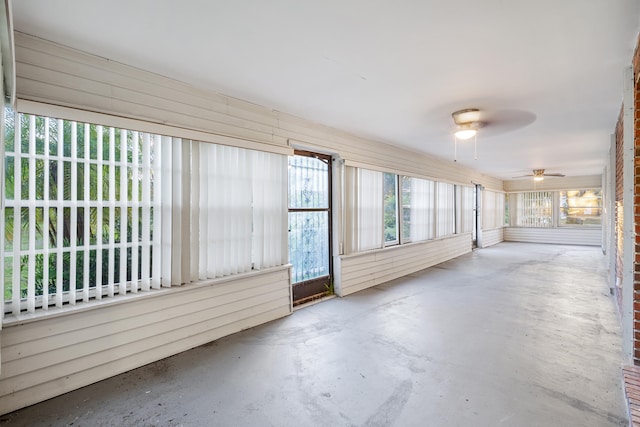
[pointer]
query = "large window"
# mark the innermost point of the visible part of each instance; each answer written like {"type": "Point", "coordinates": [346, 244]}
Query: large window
{"type": "Point", "coordinates": [565, 208]}
{"type": "Point", "coordinates": [493, 209]}
{"type": "Point", "coordinates": [80, 211]}
{"type": "Point", "coordinates": [445, 209]}
{"type": "Point", "coordinates": [428, 209]}
{"type": "Point", "coordinates": [581, 208]}
{"type": "Point", "coordinates": [95, 211]}
{"type": "Point", "coordinates": [465, 207]}
{"type": "Point", "coordinates": [418, 213]}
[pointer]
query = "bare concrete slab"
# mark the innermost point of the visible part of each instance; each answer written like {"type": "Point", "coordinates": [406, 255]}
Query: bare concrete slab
{"type": "Point", "coordinates": [514, 335]}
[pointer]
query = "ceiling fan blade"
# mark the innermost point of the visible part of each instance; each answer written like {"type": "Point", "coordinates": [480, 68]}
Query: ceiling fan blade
{"type": "Point", "coordinates": [554, 174]}
{"type": "Point", "coordinates": [521, 176]}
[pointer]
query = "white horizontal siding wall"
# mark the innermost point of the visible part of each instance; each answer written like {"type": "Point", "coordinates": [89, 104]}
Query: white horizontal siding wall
{"type": "Point", "coordinates": [54, 74]}
{"type": "Point", "coordinates": [360, 271]}
{"type": "Point", "coordinates": [559, 235]}
{"type": "Point", "coordinates": [48, 356]}
{"type": "Point", "coordinates": [492, 237]}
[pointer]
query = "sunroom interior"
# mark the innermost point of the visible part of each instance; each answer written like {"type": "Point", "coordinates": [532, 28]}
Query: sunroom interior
{"type": "Point", "coordinates": [175, 174]}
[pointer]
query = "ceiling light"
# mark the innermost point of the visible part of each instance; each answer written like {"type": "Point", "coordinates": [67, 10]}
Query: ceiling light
{"type": "Point", "coordinates": [538, 178]}
{"type": "Point", "coordinates": [466, 131]}
{"type": "Point", "coordinates": [467, 124]}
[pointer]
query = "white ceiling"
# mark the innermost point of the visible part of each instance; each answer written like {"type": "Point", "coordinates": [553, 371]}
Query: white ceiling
{"type": "Point", "coordinates": [547, 74]}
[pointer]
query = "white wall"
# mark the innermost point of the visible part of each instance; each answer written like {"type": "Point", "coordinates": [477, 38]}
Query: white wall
{"type": "Point", "coordinates": [492, 237]}
{"type": "Point", "coordinates": [558, 235]}
{"type": "Point", "coordinates": [364, 270]}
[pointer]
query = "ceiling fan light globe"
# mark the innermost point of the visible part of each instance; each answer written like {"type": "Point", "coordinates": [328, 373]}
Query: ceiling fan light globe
{"type": "Point", "coordinates": [538, 178]}
{"type": "Point", "coordinates": [466, 133]}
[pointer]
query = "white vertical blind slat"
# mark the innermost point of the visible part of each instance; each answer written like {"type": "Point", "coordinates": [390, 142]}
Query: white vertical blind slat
{"type": "Point", "coordinates": [185, 193]}
{"type": "Point", "coordinates": [157, 213]}
{"type": "Point", "coordinates": [17, 216]}
{"type": "Point", "coordinates": [112, 212]}
{"type": "Point", "coordinates": [123, 203]}
{"type": "Point", "coordinates": [60, 216]}
{"type": "Point", "coordinates": [204, 241]}
{"type": "Point", "coordinates": [31, 205]}
{"type": "Point", "coordinates": [99, 213]}
{"type": "Point", "coordinates": [135, 205]}
{"type": "Point", "coordinates": [73, 222]}
{"type": "Point", "coordinates": [45, 217]}
{"type": "Point", "coordinates": [146, 213]}
{"type": "Point", "coordinates": [196, 184]}
{"type": "Point", "coordinates": [87, 211]}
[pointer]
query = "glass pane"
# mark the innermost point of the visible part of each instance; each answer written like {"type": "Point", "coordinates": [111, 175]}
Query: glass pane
{"type": "Point", "coordinates": [308, 245]}
{"type": "Point", "coordinates": [308, 183]}
{"type": "Point", "coordinates": [581, 207]}
{"type": "Point", "coordinates": [390, 208]}
{"type": "Point", "coordinates": [406, 208]}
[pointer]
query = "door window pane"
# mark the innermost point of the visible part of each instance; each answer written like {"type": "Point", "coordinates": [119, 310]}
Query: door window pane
{"type": "Point", "coordinates": [308, 183]}
{"type": "Point", "coordinates": [308, 245]}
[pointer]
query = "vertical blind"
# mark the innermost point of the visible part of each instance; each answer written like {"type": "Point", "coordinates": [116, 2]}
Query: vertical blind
{"type": "Point", "coordinates": [227, 212]}
{"type": "Point", "coordinates": [428, 209]}
{"type": "Point", "coordinates": [95, 211]}
{"type": "Point", "coordinates": [465, 206]}
{"type": "Point", "coordinates": [445, 213]}
{"type": "Point", "coordinates": [364, 205]}
{"type": "Point", "coordinates": [533, 209]}
{"type": "Point", "coordinates": [493, 208]}
{"type": "Point", "coordinates": [421, 213]}
{"type": "Point", "coordinates": [78, 208]}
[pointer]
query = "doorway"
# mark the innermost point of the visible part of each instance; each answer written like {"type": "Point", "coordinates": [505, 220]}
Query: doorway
{"type": "Point", "coordinates": [477, 192]}
{"type": "Point", "coordinates": [310, 225]}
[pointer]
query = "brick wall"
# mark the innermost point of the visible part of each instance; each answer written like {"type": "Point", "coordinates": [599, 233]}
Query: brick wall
{"type": "Point", "coordinates": [619, 215]}
{"type": "Point", "coordinates": [636, 206]}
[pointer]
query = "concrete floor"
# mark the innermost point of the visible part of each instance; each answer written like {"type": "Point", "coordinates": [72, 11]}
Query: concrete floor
{"type": "Point", "coordinates": [513, 335]}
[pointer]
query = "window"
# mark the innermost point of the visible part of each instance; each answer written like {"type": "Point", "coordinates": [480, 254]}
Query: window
{"type": "Point", "coordinates": [81, 215]}
{"type": "Point", "coordinates": [566, 208]}
{"type": "Point", "coordinates": [493, 209]}
{"type": "Point", "coordinates": [429, 209]}
{"type": "Point", "coordinates": [418, 213]}
{"type": "Point", "coordinates": [445, 209]}
{"type": "Point", "coordinates": [390, 208]}
{"type": "Point", "coordinates": [465, 205]}
{"type": "Point", "coordinates": [581, 208]}
{"type": "Point", "coordinates": [95, 211]}
{"type": "Point", "coordinates": [533, 209]}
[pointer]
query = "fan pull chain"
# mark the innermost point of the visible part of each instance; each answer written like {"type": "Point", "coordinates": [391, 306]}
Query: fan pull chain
{"type": "Point", "coordinates": [455, 148]}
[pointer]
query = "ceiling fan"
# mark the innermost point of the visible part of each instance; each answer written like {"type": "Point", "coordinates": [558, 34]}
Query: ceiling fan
{"type": "Point", "coordinates": [538, 175]}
